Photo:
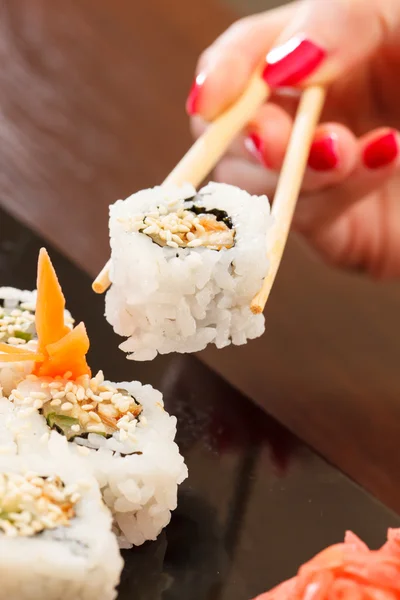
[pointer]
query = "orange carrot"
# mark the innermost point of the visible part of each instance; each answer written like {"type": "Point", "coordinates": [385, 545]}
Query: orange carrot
{"type": "Point", "coordinates": [59, 349]}
{"type": "Point", "coordinates": [67, 354]}
{"type": "Point", "coordinates": [50, 303]}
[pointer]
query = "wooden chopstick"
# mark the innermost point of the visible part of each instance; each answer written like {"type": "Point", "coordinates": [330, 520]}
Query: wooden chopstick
{"type": "Point", "coordinates": [289, 185]}
{"type": "Point", "coordinates": [205, 153]}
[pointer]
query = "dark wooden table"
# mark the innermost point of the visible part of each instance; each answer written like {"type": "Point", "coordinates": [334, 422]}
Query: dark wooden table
{"type": "Point", "coordinates": [91, 109]}
{"type": "Point", "coordinates": [257, 503]}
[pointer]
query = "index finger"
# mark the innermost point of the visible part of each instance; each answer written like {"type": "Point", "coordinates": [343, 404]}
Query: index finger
{"type": "Point", "coordinates": [225, 68]}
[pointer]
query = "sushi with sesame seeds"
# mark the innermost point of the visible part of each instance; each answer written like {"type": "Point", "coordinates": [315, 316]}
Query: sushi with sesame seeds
{"type": "Point", "coordinates": [120, 430]}
{"type": "Point", "coordinates": [56, 539]}
{"type": "Point", "coordinates": [185, 266]}
{"type": "Point", "coordinates": [17, 329]}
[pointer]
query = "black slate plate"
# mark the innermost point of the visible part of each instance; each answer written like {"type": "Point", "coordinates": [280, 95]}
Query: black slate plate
{"type": "Point", "coordinates": [257, 503]}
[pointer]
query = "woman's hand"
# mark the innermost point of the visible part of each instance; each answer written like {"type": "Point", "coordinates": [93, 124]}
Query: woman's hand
{"type": "Point", "coordinates": [349, 208]}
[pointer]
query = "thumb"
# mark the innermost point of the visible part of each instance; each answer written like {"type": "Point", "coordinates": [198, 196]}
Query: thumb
{"type": "Point", "coordinates": [328, 38]}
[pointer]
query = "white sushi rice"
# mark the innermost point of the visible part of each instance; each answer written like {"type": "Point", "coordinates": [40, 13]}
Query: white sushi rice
{"type": "Point", "coordinates": [8, 442]}
{"type": "Point", "coordinates": [76, 562]}
{"type": "Point", "coordinates": [12, 297]}
{"type": "Point", "coordinates": [12, 373]}
{"type": "Point", "coordinates": [139, 489]}
{"type": "Point", "coordinates": [167, 299]}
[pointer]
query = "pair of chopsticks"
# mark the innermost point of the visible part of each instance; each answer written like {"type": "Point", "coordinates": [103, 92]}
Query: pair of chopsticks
{"type": "Point", "coordinates": [211, 146]}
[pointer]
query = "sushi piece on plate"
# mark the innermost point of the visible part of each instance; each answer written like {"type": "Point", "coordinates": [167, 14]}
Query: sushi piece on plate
{"type": "Point", "coordinates": [56, 540]}
{"type": "Point", "coordinates": [185, 267]}
{"type": "Point", "coordinates": [120, 429]}
{"type": "Point", "coordinates": [347, 570]}
{"type": "Point", "coordinates": [17, 328]}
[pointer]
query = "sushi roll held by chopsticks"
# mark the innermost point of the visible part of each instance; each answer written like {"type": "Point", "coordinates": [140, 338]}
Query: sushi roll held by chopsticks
{"type": "Point", "coordinates": [187, 328]}
{"type": "Point", "coordinates": [185, 267]}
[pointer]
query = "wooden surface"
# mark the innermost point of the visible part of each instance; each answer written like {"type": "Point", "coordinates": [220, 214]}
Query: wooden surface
{"type": "Point", "coordinates": [92, 96]}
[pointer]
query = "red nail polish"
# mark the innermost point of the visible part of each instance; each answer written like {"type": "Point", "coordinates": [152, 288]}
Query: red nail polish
{"type": "Point", "coordinates": [292, 62]}
{"type": "Point", "coordinates": [255, 146]}
{"type": "Point", "coordinates": [194, 94]}
{"type": "Point", "coordinates": [381, 152]}
{"type": "Point", "coordinates": [324, 154]}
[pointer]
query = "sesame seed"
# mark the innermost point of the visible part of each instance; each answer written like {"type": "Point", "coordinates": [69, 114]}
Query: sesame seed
{"type": "Point", "coordinates": [199, 227]}
{"type": "Point", "coordinates": [66, 406]}
{"type": "Point", "coordinates": [194, 243]}
{"type": "Point", "coordinates": [172, 244]}
{"type": "Point", "coordinates": [59, 395]}
{"type": "Point", "coordinates": [16, 341]}
{"type": "Point", "coordinates": [71, 397]}
{"type": "Point", "coordinates": [55, 385]}
{"type": "Point", "coordinates": [75, 428]}
{"type": "Point", "coordinates": [80, 393]}
{"type": "Point", "coordinates": [55, 402]}
{"type": "Point", "coordinates": [37, 481]}
{"type": "Point", "coordinates": [87, 406]}
{"type": "Point", "coordinates": [176, 238]}
{"type": "Point", "coordinates": [38, 395]}
{"type": "Point", "coordinates": [94, 428]}
{"type": "Point", "coordinates": [94, 416]}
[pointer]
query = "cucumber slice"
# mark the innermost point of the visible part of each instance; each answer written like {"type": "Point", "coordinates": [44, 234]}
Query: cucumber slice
{"type": "Point", "coordinates": [61, 420]}
{"type": "Point", "coordinates": [23, 335]}
{"type": "Point", "coordinates": [62, 424]}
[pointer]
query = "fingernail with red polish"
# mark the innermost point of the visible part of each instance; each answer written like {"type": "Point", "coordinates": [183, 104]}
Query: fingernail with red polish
{"type": "Point", "coordinates": [255, 146]}
{"type": "Point", "coordinates": [324, 155]}
{"type": "Point", "coordinates": [192, 101]}
{"type": "Point", "coordinates": [292, 62]}
{"type": "Point", "coordinates": [381, 152]}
